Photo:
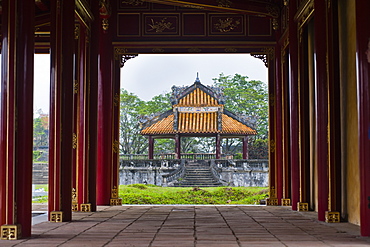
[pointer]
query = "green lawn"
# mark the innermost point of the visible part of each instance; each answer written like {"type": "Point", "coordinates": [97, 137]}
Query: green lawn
{"type": "Point", "coordinates": [150, 194]}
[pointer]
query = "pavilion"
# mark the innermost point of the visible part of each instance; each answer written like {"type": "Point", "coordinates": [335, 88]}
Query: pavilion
{"type": "Point", "coordinates": [198, 110]}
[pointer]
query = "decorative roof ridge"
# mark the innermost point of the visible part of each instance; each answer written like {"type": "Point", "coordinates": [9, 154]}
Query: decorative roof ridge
{"type": "Point", "coordinates": [179, 92]}
{"type": "Point", "coordinates": [244, 119]}
{"type": "Point", "coordinates": [148, 120]}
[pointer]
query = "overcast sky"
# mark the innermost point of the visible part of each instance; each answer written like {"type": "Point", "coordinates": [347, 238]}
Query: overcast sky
{"type": "Point", "coordinates": [150, 75]}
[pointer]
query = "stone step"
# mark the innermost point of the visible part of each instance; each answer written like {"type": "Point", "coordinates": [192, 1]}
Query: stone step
{"type": "Point", "coordinates": [197, 175]}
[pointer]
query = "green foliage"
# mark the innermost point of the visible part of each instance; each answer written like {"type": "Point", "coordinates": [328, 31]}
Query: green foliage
{"type": "Point", "coordinates": [40, 130]}
{"type": "Point", "coordinates": [131, 108]}
{"type": "Point", "coordinates": [148, 194]}
{"type": "Point", "coordinates": [258, 149]}
{"type": "Point", "coordinates": [36, 155]}
{"type": "Point", "coordinates": [247, 97]}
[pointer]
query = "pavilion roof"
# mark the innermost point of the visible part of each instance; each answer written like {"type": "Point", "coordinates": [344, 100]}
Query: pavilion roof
{"type": "Point", "coordinates": [199, 110]}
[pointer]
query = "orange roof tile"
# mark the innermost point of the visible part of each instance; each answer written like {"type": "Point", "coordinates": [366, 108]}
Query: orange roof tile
{"type": "Point", "coordinates": [198, 123]}
{"type": "Point", "coordinates": [197, 98]}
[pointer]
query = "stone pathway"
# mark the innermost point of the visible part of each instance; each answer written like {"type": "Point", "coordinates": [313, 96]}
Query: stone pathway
{"type": "Point", "coordinates": [198, 226]}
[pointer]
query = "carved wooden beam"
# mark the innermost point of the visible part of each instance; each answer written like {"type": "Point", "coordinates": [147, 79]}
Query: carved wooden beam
{"type": "Point", "coordinates": [42, 5]}
{"type": "Point", "coordinates": [258, 8]}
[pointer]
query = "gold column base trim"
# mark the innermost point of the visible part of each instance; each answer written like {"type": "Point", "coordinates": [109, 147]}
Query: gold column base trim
{"type": "Point", "coordinates": [11, 232]}
{"type": "Point", "coordinates": [285, 202]}
{"type": "Point", "coordinates": [85, 207]}
{"type": "Point", "coordinates": [116, 202]}
{"type": "Point", "coordinates": [74, 207]}
{"type": "Point", "coordinates": [56, 216]}
{"type": "Point", "coordinates": [332, 217]}
{"type": "Point", "coordinates": [272, 202]}
{"type": "Point", "coordinates": [302, 206]}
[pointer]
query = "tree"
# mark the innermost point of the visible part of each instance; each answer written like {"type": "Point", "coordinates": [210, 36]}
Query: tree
{"type": "Point", "coordinates": [131, 108]}
{"type": "Point", "coordinates": [41, 130]}
{"type": "Point", "coordinates": [246, 97]}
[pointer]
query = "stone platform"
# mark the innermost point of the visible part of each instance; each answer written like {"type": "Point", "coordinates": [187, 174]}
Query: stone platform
{"type": "Point", "coordinates": [196, 226]}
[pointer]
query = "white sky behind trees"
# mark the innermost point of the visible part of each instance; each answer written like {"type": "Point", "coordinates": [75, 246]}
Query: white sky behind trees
{"type": "Point", "coordinates": [150, 75]}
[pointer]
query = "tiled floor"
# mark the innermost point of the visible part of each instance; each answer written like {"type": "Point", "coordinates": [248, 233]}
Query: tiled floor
{"type": "Point", "coordinates": [200, 226]}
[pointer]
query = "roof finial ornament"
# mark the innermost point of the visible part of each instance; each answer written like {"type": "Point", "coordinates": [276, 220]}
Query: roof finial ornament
{"type": "Point", "coordinates": [197, 80]}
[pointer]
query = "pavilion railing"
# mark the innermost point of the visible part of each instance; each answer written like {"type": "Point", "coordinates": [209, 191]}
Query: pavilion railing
{"type": "Point", "coordinates": [171, 156]}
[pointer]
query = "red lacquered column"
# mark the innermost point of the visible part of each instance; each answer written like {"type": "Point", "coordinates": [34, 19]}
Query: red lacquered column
{"type": "Point", "coordinates": [82, 125]}
{"type": "Point", "coordinates": [177, 146]}
{"type": "Point", "coordinates": [321, 106]}
{"type": "Point", "coordinates": [245, 147]}
{"type": "Point", "coordinates": [105, 116]}
{"type": "Point", "coordinates": [278, 126]}
{"type": "Point", "coordinates": [93, 103]}
{"type": "Point", "coordinates": [116, 113]}
{"type": "Point", "coordinates": [24, 118]}
{"type": "Point", "coordinates": [218, 146]}
{"type": "Point", "coordinates": [150, 147]}
{"type": "Point", "coordinates": [363, 34]}
{"type": "Point", "coordinates": [16, 118]}
{"type": "Point", "coordinates": [76, 91]}
{"type": "Point", "coordinates": [294, 132]}
{"type": "Point", "coordinates": [61, 110]}
{"type": "Point", "coordinates": [272, 129]}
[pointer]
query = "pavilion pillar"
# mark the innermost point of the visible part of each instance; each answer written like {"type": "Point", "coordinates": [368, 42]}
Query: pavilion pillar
{"type": "Point", "coordinates": [16, 118]}
{"type": "Point", "coordinates": [76, 90]}
{"type": "Point", "coordinates": [278, 126]}
{"type": "Point", "coordinates": [92, 98]}
{"type": "Point", "coordinates": [272, 201]}
{"type": "Point", "coordinates": [81, 141]}
{"type": "Point", "coordinates": [178, 146]}
{"type": "Point", "coordinates": [245, 147]}
{"type": "Point", "coordinates": [363, 85]}
{"type": "Point", "coordinates": [151, 147]}
{"type": "Point", "coordinates": [218, 146]}
{"type": "Point", "coordinates": [294, 106]}
{"type": "Point", "coordinates": [321, 105]}
{"type": "Point", "coordinates": [61, 110]}
{"type": "Point", "coordinates": [116, 115]}
{"type": "Point", "coordinates": [105, 113]}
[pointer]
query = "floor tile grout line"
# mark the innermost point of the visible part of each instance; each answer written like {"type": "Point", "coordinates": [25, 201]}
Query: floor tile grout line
{"type": "Point", "coordinates": [263, 225]}
{"type": "Point", "coordinates": [159, 228]}
{"type": "Point", "coordinates": [98, 223]}
{"type": "Point", "coordinates": [237, 239]}
{"type": "Point", "coordinates": [127, 225]}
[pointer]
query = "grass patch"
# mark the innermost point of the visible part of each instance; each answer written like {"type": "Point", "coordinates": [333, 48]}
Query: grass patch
{"type": "Point", "coordinates": [150, 194]}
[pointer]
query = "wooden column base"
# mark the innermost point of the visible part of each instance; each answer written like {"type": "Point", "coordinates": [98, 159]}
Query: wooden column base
{"type": "Point", "coordinates": [302, 206]}
{"type": "Point", "coordinates": [272, 202]}
{"type": "Point", "coordinates": [116, 202]}
{"type": "Point", "coordinates": [285, 202]}
{"type": "Point", "coordinates": [85, 207]}
{"type": "Point", "coordinates": [332, 217]}
{"type": "Point", "coordinates": [11, 232]}
{"type": "Point", "coordinates": [56, 216]}
{"type": "Point", "coordinates": [74, 207]}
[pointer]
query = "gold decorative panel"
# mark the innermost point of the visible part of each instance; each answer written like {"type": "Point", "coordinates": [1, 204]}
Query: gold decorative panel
{"type": "Point", "coordinates": [272, 202]}
{"type": "Point", "coordinates": [332, 217]}
{"type": "Point", "coordinates": [116, 202]}
{"type": "Point", "coordinates": [227, 25]}
{"type": "Point", "coordinates": [161, 25]}
{"type": "Point", "coordinates": [285, 202]}
{"type": "Point", "coordinates": [74, 207]}
{"type": "Point", "coordinates": [114, 192]}
{"type": "Point", "coordinates": [85, 207]}
{"type": "Point", "coordinates": [302, 206]}
{"type": "Point", "coordinates": [11, 232]}
{"type": "Point", "coordinates": [56, 216]}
